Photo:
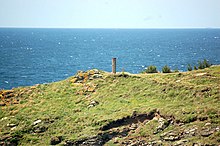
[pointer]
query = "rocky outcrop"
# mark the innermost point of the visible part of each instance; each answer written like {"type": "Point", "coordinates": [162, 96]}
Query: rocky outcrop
{"type": "Point", "coordinates": [14, 96]}
{"type": "Point", "coordinates": [126, 128]}
{"type": "Point", "coordinates": [56, 140]}
{"type": "Point", "coordinates": [82, 77]}
{"type": "Point", "coordinates": [8, 97]}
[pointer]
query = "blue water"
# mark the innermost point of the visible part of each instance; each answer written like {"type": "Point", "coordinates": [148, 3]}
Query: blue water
{"type": "Point", "coordinates": [33, 56]}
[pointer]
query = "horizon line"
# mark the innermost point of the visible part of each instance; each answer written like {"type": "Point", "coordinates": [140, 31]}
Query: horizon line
{"type": "Point", "coordinates": [110, 27]}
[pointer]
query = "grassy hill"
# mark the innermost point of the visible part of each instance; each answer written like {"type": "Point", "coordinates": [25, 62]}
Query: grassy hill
{"type": "Point", "coordinates": [99, 108]}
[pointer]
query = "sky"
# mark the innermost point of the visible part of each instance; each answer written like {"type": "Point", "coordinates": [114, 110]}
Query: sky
{"type": "Point", "coordinates": [110, 13]}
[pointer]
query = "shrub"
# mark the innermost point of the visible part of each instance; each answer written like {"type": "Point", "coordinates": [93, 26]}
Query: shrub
{"type": "Point", "coordinates": [206, 63]}
{"type": "Point", "coordinates": [195, 68]}
{"type": "Point", "coordinates": [151, 69]}
{"type": "Point", "coordinates": [166, 69]}
{"type": "Point", "coordinates": [203, 64]}
{"type": "Point", "coordinates": [176, 70]}
{"type": "Point", "coordinates": [189, 67]}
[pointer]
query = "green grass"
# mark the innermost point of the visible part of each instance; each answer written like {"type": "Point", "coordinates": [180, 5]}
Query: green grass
{"type": "Point", "coordinates": [65, 112]}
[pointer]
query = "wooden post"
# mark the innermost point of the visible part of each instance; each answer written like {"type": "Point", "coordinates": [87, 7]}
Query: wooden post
{"type": "Point", "coordinates": [114, 65]}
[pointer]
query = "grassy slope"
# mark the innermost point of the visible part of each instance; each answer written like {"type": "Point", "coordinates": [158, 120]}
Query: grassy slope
{"type": "Point", "coordinates": [63, 106]}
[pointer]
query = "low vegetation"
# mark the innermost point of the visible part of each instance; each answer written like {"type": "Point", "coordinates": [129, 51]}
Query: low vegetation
{"type": "Point", "coordinates": [203, 64]}
{"type": "Point", "coordinates": [150, 69]}
{"type": "Point", "coordinates": [189, 68]}
{"type": "Point", "coordinates": [99, 108]}
{"type": "Point", "coordinates": [166, 69]}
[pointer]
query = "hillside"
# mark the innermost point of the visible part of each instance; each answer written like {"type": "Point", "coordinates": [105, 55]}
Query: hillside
{"type": "Point", "coordinates": [99, 108]}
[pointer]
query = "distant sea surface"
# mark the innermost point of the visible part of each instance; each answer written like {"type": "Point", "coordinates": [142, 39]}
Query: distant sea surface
{"type": "Point", "coordinates": [34, 56]}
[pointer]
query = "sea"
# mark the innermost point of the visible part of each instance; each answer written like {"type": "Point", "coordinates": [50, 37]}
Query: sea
{"type": "Point", "coordinates": [30, 56]}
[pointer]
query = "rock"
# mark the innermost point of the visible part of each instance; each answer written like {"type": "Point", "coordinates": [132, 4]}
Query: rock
{"type": "Point", "coordinates": [13, 128]}
{"type": "Point", "coordinates": [5, 137]}
{"type": "Point", "coordinates": [207, 124]}
{"type": "Point", "coordinates": [163, 123]}
{"type": "Point", "coordinates": [171, 138]}
{"type": "Point", "coordinates": [40, 129]}
{"type": "Point", "coordinates": [207, 133]}
{"type": "Point", "coordinates": [11, 125]}
{"type": "Point", "coordinates": [37, 122]}
{"type": "Point", "coordinates": [96, 71]}
{"type": "Point", "coordinates": [74, 80]}
{"type": "Point", "coordinates": [93, 103]}
{"type": "Point", "coordinates": [91, 89]}
{"type": "Point", "coordinates": [95, 76]}
{"type": "Point", "coordinates": [191, 131]}
{"type": "Point", "coordinates": [116, 140]}
{"type": "Point", "coordinates": [133, 126]}
{"type": "Point", "coordinates": [4, 118]}
{"type": "Point", "coordinates": [2, 103]}
{"type": "Point", "coordinates": [56, 140]}
{"type": "Point", "coordinates": [202, 118]}
{"type": "Point", "coordinates": [154, 143]}
{"type": "Point", "coordinates": [197, 144]}
{"type": "Point", "coordinates": [6, 92]}
{"type": "Point", "coordinates": [181, 142]}
{"type": "Point", "coordinates": [8, 140]}
{"type": "Point", "coordinates": [200, 74]}
{"type": "Point", "coordinates": [9, 95]}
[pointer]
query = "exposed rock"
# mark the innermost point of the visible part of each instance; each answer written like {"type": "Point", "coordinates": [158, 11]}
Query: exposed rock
{"type": "Point", "coordinates": [207, 124]}
{"type": "Point", "coordinates": [154, 143]}
{"type": "Point", "coordinates": [190, 131]}
{"type": "Point", "coordinates": [39, 129]}
{"type": "Point", "coordinates": [37, 122]}
{"type": "Point", "coordinates": [200, 74]}
{"type": "Point", "coordinates": [111, 131]}
{"type": "Point", "coordinates": [96, 71]}
{"type": "Point", "coordinates": [202, 118]}
{"type": "Point", "coordinates": [133, 126]}
{"type": "Point", "coordinates": [6, 97]}
{"type": "Point", "coordinates": [56, 140]}
{"type": "Point", "coordinates": [11, 125]}
{"type": "Point", "coordinates": [2, 103]}
{"type": "Point", "coordinates": [96, 76]}
{"type": "Point", "coordinates": [93, 103]}
{"type": "Point", "coordinates": [163, 123]}
{"type": "Point", "coordinates": [6, 92]}
{"type": "Point", "coordinates": [207, 132]}
{"type": "Point", "coordinates": [181, 142]}
{"type": "Point", "coordinates": [170, 136]}
{"type": "Point", "coordinates": [8, 140]}
{"type": "Point", "coordinates": [4, 118]}
{"type": "Point", "coordinates": [13, 128]}
{"type": "Point", "coordinates": [82, 77]}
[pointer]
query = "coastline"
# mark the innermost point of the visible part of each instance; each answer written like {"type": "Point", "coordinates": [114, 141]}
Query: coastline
{"type": "Point", "coordinates": [96, 107]}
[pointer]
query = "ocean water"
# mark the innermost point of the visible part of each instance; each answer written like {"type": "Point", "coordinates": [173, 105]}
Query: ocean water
{"type": "Point", "coordinates": [33, 56]}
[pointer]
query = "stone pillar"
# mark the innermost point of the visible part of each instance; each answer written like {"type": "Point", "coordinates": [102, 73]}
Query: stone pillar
{"type": "Point", "coordinates": [114, 65]}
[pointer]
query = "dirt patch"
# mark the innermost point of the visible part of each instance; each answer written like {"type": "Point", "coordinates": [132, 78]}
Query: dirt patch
{"type": "Point", "coordinates": [129, 120]}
